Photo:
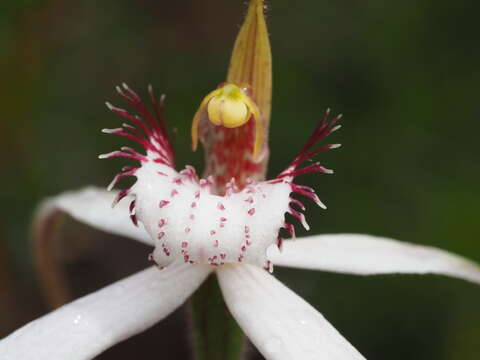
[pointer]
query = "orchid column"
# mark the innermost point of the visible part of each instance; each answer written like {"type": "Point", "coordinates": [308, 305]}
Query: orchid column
{"type": "Point", "coordinates": [232, 121]}
{"type": "Point", "coordinates": [232, 124]}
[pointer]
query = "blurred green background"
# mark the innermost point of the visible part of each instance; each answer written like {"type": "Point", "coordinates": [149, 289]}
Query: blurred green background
{"type": "Point", "coordinates": [404, 73]}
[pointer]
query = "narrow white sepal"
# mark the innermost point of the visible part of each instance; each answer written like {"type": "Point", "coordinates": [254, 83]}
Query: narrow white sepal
{"type": "Point", "coordinates": [370, 255]}
{"type": "Point", "coordinates": [280, 323]}
{"type": "Point", "coordinates": [93, 206]}
{"type": "Point", "coordinates": [86, 327]}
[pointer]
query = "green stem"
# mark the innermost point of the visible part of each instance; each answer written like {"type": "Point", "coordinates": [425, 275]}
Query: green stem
{"type": "Point", "coordinates": [216, 334]}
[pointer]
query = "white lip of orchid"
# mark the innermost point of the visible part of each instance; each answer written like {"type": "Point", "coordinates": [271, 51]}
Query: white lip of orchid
{"type": "Point", "coordinates": [185, 219]}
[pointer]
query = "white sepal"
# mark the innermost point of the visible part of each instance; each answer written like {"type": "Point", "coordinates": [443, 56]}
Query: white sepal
{"type": "Point", "coordinates": [93, 206]}
{"type": "Point", "coordinates": [86, 327]}
{"type": "Point", "coordinates": [280, 323]}
{"type": "Point", "coordinates": [370, 255]}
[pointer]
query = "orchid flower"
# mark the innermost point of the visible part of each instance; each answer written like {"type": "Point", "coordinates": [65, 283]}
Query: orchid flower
{"type": "Point", "coordinates": [226, 223]}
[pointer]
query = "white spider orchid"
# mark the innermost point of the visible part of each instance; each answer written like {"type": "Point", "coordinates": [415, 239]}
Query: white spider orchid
{"type": "Point", "coordinates": [227, 223]}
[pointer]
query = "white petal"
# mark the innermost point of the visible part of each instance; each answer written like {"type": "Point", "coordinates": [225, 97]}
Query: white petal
{"type": "Point", "coordinates": [86, 327]}
{"type": "Point", "coordinates": [280, 323]}
{"type": "Point", "coordinates": [93, 207]}
{"type": "Point", "coordinates": [369, 255]}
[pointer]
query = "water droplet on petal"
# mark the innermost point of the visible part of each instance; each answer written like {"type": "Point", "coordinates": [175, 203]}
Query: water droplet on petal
{"type": "Point", "coordinates": [302, 317]}
{"type": "Point", "coordinates": [77, 319]}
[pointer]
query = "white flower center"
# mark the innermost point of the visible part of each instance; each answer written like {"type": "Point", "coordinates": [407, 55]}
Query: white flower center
{"type": "Point", "coordinates": [184, 218]}
{"type": "Point", "coordinates": [188, 222]}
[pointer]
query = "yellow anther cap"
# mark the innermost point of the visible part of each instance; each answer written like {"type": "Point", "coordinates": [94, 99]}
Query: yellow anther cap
{"type": "Point", "coordinates": [228, 107]}
{"type": "Point", "coordinates": [231, 107]}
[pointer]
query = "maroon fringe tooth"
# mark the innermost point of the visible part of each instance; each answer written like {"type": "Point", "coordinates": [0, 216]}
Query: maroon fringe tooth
{"type": "Point", "coordinates": [324, 128]}
{"type": "Point", "coordinates": [148, 130]}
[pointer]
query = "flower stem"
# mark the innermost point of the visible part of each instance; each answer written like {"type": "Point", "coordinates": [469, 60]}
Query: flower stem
{"type": "Point", "coordinates": [216, 335]}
